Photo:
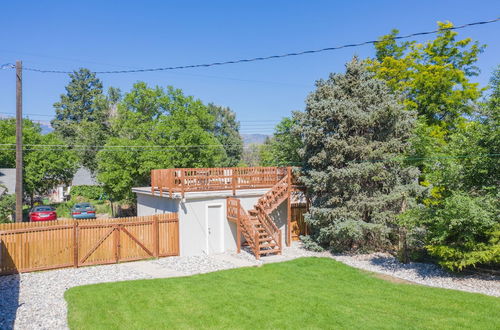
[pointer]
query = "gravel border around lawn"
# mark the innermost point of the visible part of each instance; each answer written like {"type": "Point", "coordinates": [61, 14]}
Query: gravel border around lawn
{"type": "Point", "coordinates": [36, 300]}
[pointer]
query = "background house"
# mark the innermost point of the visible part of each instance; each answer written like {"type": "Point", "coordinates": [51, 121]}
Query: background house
{"type": "Point", "coordinates": [8, 180]}
{"type": "Point", "coordinates": [82, 177]}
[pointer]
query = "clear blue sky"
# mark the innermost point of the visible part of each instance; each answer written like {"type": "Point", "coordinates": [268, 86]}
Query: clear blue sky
{"type": "Point", "coordinates": [104, 35]}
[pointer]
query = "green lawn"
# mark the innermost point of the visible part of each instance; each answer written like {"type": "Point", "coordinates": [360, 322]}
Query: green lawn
{"type": "Point", "coordinates": [303, 293]}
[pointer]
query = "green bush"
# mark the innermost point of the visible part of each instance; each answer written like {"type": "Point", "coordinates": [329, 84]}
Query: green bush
{"type": "Point", "coordinates": [463, 231]}
{"type": "Point", "coordinates": [90, 192]}
{"type": "Point", "coordinates": [7, 207]}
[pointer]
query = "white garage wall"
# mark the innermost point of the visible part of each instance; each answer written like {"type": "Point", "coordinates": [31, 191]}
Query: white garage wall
{"type": "Point", "coordinates": [193, 217]}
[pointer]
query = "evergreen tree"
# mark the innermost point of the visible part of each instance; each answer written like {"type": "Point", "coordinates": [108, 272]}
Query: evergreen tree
{"type": "Point", "coordinates": [227, 131]}
{"type": "Point", "coordinates": [83, 115]}
{"type": "Point", "coordinates": [355, 133]}
{"type": "Point", "coordinates": [78, 104]}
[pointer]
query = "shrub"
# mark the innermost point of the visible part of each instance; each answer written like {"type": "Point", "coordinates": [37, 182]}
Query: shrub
{"type": "Point", "coordinates": [7, 207]}
{"type": "Point", "coordinates": [90, 192]}
{"type": "Point", "coordinates": [462, 231]}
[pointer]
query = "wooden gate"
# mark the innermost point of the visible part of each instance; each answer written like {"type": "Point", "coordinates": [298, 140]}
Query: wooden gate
{"type": "Point", "coordinates": [26, 247]}
{"type": "Point", "coordinates": [298, 225]}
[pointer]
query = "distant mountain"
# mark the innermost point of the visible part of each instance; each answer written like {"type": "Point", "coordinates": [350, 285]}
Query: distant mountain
{"type": "Point", "coordinates": [46, 127]}
{"type": "Point", "coordinates": [254, 138]}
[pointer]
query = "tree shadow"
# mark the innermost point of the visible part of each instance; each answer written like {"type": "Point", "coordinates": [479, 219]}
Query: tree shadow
{"type": "Point", "coordinates": [425, 270]}
{"type": "Point", "coordinates": [9, 290]}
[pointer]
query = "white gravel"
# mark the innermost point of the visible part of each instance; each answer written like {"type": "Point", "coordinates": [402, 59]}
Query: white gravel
{"type": "Point", "coordinates": [36, 300]}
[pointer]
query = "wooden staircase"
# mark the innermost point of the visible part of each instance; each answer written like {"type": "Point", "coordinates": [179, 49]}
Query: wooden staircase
{"type": "Point", "coordinates": [256, 225]}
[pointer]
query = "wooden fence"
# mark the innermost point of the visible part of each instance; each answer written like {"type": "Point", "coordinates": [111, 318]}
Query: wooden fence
{"type": "Point", "coordinates": [26, 247]}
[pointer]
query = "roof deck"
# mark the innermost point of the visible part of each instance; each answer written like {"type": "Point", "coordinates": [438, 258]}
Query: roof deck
{"type": "Point", "coordinates": [182, 180]}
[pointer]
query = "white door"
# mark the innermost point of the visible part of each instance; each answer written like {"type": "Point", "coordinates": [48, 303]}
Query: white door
{"type": "Point", "coordinates": [214, 227]}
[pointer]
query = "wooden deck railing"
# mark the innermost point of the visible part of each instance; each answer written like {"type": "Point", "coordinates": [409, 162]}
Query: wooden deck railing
{"type": "Point", "coordinates": [181, 180]}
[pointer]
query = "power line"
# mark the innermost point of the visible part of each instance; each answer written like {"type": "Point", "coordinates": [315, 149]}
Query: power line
{"type": "Point", "coordinates": [270, 57]}
{"type": "Point", "coordinates": [240, 121]}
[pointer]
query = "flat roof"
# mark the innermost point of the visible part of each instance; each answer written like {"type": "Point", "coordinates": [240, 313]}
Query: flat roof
{"type": "Point", "coordinates": [203, 194]}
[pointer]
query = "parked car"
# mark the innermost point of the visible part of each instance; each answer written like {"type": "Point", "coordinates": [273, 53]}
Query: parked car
{"type": "Point", "coordinates": [83, 211]}
{"type": "Point", "coordinates": [43, 213]}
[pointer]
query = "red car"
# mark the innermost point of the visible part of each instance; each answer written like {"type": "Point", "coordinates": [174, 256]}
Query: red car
{"type": "Point", "coordinates": [43, 213]}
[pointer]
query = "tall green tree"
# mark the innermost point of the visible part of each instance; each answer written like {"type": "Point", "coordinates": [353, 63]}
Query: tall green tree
{"type": "Point", "coordinates": [282, 149]}
{"type": "Point", "coordinates": [355, 132]}
{"type": "Point", "coordinates": [434, 77]}
{"type": "Point", "coordinates": [167, 128]}
{"type": "Point", "coordinates": [78, 104]}
{"type": "Point", "coordinates": [44, 167]}
{"type": "Point", "coordinates": [227, 130]}
{"type": "Point", "coordinates": [83, 115]}
{"type": "Point", "coordinates": [461, 217]}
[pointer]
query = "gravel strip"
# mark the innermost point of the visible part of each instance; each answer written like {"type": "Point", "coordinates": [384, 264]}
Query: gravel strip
{"type": "Point", "coordinates": [39, 297]}
{"type": "Point", "coordinates": [194, 264]}
{"type": "Point", "coordinates": [423, 273]}
{"type": "Point", "coordinates": [36, 300]}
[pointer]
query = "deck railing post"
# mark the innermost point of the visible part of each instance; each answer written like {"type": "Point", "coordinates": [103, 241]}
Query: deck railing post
{"type": "Point", "coordinates": [233, 180]}
{"type": "Point", "coordinates": [182, 182]}
{"type": "Point", "coordinates": [257, 246]}
{"type": "Point", "coordinates": [280, 241]}
{"type": "Point", "coordinates": [170, 181]}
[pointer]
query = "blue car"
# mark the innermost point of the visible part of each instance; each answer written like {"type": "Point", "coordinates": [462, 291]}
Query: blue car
{"type": "Point", "coordinates": [83, 211]}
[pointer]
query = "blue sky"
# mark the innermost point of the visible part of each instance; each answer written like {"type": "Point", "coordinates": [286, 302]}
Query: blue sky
{"type": "Point", "coordinates": [107, 35]}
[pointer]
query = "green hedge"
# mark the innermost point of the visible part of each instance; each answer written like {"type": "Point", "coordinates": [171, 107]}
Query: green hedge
{"type": "Point", "coordinates": [90, 192]}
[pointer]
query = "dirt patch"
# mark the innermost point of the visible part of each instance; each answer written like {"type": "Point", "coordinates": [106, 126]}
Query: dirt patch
{"type": "Point", "coordinates": [390, 278]}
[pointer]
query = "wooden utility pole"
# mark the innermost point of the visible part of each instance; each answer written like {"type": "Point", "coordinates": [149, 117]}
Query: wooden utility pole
{"type": "Point", "coordinates": [19, 141]}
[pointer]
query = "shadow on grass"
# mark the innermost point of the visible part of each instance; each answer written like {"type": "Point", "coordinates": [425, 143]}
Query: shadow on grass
{"type": "Point", "coordinates": [424, 270]}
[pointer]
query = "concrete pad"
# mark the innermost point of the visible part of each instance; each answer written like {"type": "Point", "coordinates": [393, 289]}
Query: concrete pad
{"type": "Point", "coordinates": [154, 270]}
{"type": "Point", "coordinates": [237, 262]}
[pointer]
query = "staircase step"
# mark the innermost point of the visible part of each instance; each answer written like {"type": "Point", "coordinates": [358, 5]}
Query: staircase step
{"type": "Point", "coordinates": [269, 245]}
{"type": "Point", "coordinates": [266, 239]}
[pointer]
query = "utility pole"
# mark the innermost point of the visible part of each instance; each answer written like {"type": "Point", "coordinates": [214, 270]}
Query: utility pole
{"type": "Point", "coordinates": [19, 141]}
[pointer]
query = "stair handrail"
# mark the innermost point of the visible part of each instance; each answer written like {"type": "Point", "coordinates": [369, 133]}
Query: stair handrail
{"type": "Point", "coordinates": [237, 213]}
{"type": "Point", "coordinates": [270, 196]}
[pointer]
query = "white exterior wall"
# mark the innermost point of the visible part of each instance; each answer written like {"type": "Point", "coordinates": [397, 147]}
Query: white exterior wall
{"type": "Point", "coordinates": [193, 220]}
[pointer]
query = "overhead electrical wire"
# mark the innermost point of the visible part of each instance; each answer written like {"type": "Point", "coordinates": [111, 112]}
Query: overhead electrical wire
{"type": "Point", "coordinates": [263, 58]}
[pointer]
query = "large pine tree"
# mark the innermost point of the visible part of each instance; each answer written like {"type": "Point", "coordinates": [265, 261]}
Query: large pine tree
{"type": "Point", "coordinates": [355, 133]}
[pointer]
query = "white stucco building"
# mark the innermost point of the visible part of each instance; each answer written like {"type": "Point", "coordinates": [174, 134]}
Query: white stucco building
{"type": "Point", "coordinates": [204, 227]}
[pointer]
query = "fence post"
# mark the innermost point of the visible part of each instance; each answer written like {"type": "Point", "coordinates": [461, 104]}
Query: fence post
{"type": "Point", "coordinates": [116, 237]}
{"type": "Point", "coordinates": [156, 236]}
{"type": "Point", "coordinates": [280, 241]}
{"type": "Point", "coordinates": [289, 208]}
{"type": "Point", "coordinates": [75, 243]}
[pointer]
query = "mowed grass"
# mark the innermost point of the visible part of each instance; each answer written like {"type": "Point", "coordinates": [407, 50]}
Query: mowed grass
{"type": "Point", "coordinates": [303, 293]}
